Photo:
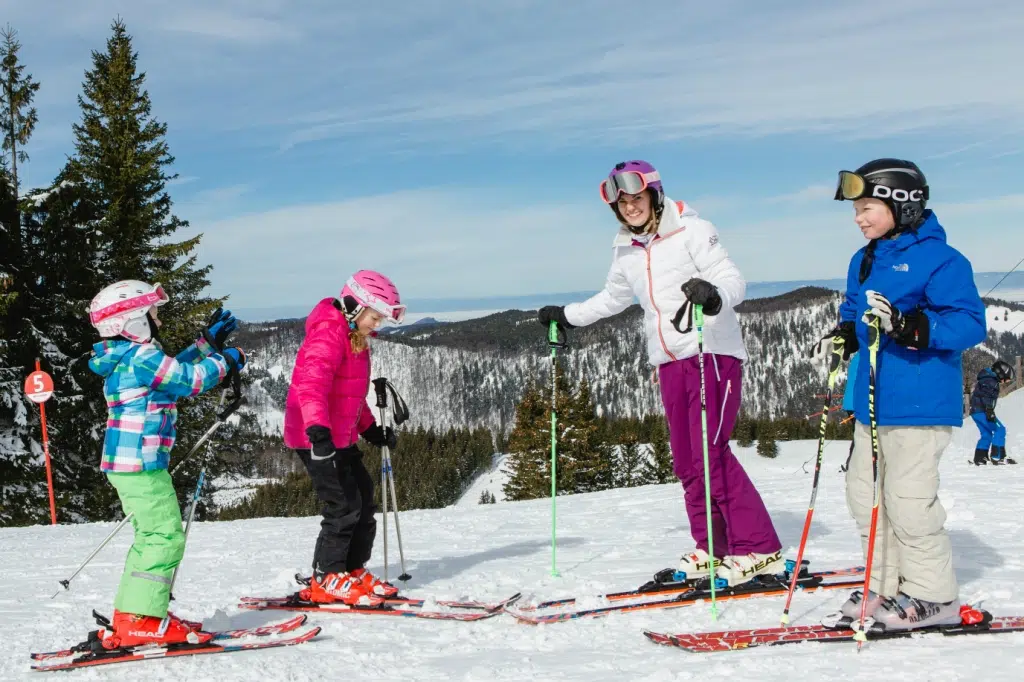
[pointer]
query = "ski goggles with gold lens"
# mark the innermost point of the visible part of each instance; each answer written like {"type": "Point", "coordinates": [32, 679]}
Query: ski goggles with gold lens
{"type": "Point", "coordinates": [852, 186]}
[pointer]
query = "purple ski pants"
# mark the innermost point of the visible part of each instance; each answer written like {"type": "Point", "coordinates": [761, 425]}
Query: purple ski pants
{"type": "Point", "coordinates": [740, 521]}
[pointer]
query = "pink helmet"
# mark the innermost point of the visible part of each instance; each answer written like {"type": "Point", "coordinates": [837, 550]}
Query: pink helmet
{"type": "Point", "coordinates": [370, 289]}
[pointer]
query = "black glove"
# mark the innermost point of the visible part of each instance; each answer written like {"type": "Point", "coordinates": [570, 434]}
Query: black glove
{"type": "Point", "coordinates": [320, 438]}
{"type": "Point", "coordinates": [703, 293]}
{"type": "Point", "coordinates": [845, 331]}
{"type": "Point", "coordinates": [553, 313]}
{"type": "Point", "coordinates": [375, 435]}
{"type": "Point", "coordinates": [220, 326]}
{"type": "Point", "coordinates": [909, 330]}
{"type": "Point", "coordinates": [990, 415]}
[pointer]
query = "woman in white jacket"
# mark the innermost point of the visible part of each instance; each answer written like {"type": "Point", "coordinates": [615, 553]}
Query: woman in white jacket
{"type": "Point", "coordinates": [666, 256]}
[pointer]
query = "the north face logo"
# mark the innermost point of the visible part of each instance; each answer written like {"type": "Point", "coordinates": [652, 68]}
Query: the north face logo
{"type": "Point", "coordinates": [902, 267]}
{"type": "Point", "coordinates": [713, 240]}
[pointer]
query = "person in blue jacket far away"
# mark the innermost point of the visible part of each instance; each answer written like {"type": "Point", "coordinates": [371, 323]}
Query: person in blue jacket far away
{"type": "Point", "coordinates": [983, 412]}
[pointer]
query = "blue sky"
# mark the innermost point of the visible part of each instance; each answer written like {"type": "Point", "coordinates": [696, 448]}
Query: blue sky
{"type": "Point", "coordinates": [458, 146]}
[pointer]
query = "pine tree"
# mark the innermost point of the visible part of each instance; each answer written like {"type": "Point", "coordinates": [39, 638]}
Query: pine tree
{"type": "Point", "coordinates": [588, 467]}
{"type": "Point", "coordinates": [743, 432]}
{"type": "Point", "coordinates": [529, 443]}
{"type": "Point", "coordinates": [629, 472]}
{"type": "Point", "coordinates": [22, 491]}
{"type": "Point", "coordinates": [658, 468]}
{"type": "Point", "coordinates": [116, 199]}
{"type": "Point", "coordinates": [766, 445]}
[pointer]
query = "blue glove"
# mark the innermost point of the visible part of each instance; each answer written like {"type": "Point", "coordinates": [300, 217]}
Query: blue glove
{"type": "Point", "coordinates": [235, 357]}
{"type": "Point", "coordinates": [220, 326]}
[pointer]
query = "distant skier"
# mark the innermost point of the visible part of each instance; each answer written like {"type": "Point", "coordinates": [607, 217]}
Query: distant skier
{"type": "Point", "coordinates": [668, 257]}
{"type": "Point", "coordinates": [325, 414]}
{"type": "Point", "coordinates": [141, 384]}
{"type": "Point", "coordinates": [922, 292]}
{"type": "Point", "coordinates": [983, 412]}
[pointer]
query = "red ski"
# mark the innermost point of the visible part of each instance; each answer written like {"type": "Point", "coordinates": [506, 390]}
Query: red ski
{"type": "Point", "coordinates": [296, 604]}
{"type": "Point", "coordinates": [260, 631]}
{"type": "Point", "coordinates": [732, 640]}
{"type": "Point", "coordinates": [152, 651]}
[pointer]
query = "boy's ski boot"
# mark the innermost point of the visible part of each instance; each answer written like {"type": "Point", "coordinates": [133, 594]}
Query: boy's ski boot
{"type": "Point", "coordinates": [907, 613]}
{"type": "Point", "coordinates": [980, 457]}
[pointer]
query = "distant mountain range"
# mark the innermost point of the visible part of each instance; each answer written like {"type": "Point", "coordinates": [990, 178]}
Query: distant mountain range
{"type": "Point", "coordinates": [1011, 289]}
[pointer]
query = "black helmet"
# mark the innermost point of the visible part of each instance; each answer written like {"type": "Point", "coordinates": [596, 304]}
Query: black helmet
{"type": "Point", "coordinates": [1003, 370]}
{"type": "Point", "coordinates": [900, 184]}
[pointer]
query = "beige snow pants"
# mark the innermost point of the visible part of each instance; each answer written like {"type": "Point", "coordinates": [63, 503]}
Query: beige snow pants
{"type": "Point", "coordinates": [910, 542]}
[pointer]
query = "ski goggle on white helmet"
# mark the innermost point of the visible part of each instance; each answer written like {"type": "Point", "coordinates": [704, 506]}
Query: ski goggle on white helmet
{"type": "Point", "coordinates": [121, 308]}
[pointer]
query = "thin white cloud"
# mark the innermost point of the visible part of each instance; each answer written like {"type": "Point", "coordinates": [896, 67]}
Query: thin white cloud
{"type": "Point", "coordinates": [464, 74]}
{"type": "Point", "coordinates": [434, 244]}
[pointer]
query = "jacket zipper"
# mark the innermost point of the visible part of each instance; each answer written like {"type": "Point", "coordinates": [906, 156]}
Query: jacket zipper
{"type": "Point", "coordinates": [650, 293]}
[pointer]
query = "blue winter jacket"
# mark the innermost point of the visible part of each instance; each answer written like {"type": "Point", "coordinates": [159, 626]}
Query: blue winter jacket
{"type": "Point", "coordinates": [986, 391]}
{"type": "Point", "coordinates": [917, 270]}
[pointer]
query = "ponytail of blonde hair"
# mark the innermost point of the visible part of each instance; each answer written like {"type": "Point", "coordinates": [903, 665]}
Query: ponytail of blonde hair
{"type": "Point", "coordinates": [358, 341]}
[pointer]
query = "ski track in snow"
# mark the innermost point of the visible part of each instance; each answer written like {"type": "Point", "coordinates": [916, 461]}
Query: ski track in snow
{"type": "Point", "coordinates": [608, 541]}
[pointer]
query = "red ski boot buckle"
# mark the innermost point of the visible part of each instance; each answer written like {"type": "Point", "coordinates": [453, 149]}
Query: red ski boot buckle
{"type": "Point", "coordinates": [970, 615]}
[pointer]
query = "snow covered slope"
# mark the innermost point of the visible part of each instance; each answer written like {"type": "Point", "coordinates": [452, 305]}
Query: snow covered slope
{"type": "Point", "coordinates": [607, 541]}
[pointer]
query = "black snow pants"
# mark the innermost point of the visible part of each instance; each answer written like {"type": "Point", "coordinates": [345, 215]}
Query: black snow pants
{"type": "Point", "coordinates": [348, 528]}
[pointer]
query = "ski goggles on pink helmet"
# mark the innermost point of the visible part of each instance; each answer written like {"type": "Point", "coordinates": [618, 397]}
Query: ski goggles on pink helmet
{"type": "Point", "coordinates": [394, 312]}
{"type": "Point", "coordinates": [627, 182]}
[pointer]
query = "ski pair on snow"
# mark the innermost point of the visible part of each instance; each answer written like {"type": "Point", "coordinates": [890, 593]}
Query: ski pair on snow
{"type": "Point", "coordinates": [973, 622]}
{"type": "Point", "coordinates": [91, 652]}
{"type": "Point", "coordinates": [685, 593]}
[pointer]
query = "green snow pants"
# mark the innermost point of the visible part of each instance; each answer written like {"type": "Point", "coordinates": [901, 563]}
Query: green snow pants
{"type": "Point", "coordinates": [159, 541]}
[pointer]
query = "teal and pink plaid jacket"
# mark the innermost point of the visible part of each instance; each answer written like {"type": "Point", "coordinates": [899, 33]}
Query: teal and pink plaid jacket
{"type": "Point", "coordinates": [141, 385]}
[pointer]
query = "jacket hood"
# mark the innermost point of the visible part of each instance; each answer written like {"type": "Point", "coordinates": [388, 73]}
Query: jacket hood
{"type": "Point", "coordinates": [106, 355]}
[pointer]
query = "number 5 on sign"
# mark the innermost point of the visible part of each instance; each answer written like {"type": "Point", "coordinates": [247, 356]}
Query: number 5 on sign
{"type": "Point", "coordinates": [39, 388]}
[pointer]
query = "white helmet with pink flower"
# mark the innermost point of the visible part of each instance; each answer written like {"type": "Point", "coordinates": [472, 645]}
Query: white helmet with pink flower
{"type": "Point", "coordinates": [370, 289]}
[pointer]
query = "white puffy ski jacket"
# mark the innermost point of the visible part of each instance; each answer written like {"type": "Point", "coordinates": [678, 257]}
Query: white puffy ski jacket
{"type": "Point", "coordinates": [685, 246]}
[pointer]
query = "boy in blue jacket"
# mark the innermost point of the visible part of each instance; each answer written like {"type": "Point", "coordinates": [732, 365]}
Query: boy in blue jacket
{"type": "Point", "coordinates": [983, 412]}
{"type": "Point", "coordinates": [922, 292]}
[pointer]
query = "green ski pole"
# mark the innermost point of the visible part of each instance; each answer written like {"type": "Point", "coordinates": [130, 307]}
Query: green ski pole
{"type": "Point", "coordinates": [698, 320]}
{"type": "Point", "coordinates": [556, 340]}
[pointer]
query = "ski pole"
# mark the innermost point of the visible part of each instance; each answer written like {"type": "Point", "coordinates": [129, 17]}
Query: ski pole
{"type": "Point", "coordinates": [236, 402]}
{"type": "Point", "coordinates": [188, 523]}
{"type": "Point", "coordinates": [556, 340]}
{"type": "Point", "coordinates": [400, 413]}
{"type": "Point", "coordinates": [698, 319]}
{"type": "Point", "coordinates": [873, 338]}
{"type": "Point", "coordinates": [835, 361]}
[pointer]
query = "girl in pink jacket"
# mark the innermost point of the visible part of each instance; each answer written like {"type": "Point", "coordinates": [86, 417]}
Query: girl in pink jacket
{"type": "Point", "coordinates": [325, 415]}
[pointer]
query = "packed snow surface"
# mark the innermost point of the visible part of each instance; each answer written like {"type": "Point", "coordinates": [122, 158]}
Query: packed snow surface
{"type": "Point", "coordinates": [607, 541]}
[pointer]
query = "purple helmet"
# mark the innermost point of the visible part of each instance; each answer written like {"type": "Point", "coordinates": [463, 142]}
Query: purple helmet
{"type": "Point", "coordinates": [633, 177]}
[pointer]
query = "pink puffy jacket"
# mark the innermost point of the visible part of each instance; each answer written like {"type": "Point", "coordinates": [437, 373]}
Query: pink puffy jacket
{"type": "Point", "coordinates": [329, 382]}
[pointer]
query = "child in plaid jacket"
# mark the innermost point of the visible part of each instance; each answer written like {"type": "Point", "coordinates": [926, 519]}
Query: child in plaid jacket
{"type": "Point", "coordinates": [141, 385]}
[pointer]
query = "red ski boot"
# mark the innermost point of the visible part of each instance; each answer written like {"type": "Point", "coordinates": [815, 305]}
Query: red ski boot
{"type": "Point", "coordinates": [131, 629]}
{"type": "Point", "coordinates": [375, 584]}
{"type": "Point", "coordinates": [347, 588]}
